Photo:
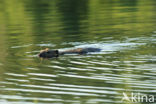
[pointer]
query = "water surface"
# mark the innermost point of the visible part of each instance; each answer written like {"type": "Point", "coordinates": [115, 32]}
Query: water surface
{"type": "Point", "coordinates": [125, 30]}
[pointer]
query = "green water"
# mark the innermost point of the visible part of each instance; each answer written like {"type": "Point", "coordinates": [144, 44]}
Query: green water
{"type": "Point", "coordinates": [125, 30]}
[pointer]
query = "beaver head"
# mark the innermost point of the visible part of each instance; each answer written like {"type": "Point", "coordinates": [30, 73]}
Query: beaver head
{"type": "Point", "coordinates": [46, 53]}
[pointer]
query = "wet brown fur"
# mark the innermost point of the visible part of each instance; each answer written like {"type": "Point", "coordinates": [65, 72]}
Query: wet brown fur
{"type": "Point", "coordinates": [46, 53]}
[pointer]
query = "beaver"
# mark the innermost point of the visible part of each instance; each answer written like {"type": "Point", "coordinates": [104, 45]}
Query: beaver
{"type": "Point", "coordinates": [47, 53]}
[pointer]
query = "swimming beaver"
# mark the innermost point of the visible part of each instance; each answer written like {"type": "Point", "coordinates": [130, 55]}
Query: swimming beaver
{"type": "Point", "coordinates": [46, 53]}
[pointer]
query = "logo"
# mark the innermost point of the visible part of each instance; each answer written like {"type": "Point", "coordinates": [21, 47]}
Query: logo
{"type": "Point", "coordinates": [137, 98]}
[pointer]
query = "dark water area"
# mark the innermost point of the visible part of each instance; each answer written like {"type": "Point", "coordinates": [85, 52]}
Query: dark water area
{"type": "Point", "coordinates": [125, 30]}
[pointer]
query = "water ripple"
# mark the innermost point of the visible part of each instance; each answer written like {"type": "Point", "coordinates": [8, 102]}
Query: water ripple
{"type": "Point", "coordinates": [51, 92]}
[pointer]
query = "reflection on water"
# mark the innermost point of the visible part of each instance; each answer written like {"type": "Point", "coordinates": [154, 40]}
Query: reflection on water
{"type": "Point", "coordinates": [124, 30]}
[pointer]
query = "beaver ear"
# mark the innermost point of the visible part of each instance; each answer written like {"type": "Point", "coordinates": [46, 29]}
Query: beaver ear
{"type": "Point", "coordinates": [57, 52]}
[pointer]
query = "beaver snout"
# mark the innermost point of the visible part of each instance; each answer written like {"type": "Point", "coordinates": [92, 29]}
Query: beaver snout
{"type": "Point", "coordinates": [41, 55]}
{"type": "Point", "coordinates": [48, 54]}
